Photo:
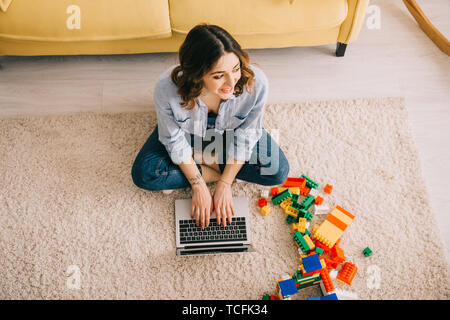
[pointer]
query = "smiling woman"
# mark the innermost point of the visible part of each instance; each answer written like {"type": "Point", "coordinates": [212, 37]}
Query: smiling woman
{"type": "Point", "coordinates": [214, 93]}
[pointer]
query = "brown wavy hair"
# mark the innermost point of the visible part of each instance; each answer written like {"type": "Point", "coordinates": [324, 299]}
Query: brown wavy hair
{"type": "Point", "coordinates": [201, 49]}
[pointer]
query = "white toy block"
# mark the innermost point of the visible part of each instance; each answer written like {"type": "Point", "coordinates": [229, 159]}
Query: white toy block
{"type": "Point", "coordinates": [322, 209]}
{"type": "Point", "coordinates": [167, 191]}
{"type": "Point", "coordinates": [333, 274]}
{"type": "Point", "coordinates": [264, 193]}
{"type": "Point", "coordinates": [314, 192]}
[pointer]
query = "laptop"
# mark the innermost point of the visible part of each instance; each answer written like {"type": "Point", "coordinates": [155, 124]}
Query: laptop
{"type": "Point", "coordinates": [214, 239]}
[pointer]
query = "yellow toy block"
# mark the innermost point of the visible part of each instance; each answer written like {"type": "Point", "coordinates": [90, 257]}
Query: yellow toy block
{"type": "Point", "coordinates": [265, 210]}
{"type": "Point", "coordinates": [333, 227]}
{"type": "Point", "coordinates": [286, 203]}
{"type": "Point", "coordinates": [309, 242]}
{"type": "Point", "coordinates": [300, 226]}
{"type": "Point", "coordinates": [291, 211]}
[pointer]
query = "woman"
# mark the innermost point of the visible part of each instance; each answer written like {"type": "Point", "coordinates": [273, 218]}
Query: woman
{"type": "Point", "coordinates": [213, 93]}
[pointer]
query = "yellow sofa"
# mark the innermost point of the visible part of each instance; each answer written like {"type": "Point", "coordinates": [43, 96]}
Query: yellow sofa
{"type": "Point", "coordinates": [75, 27]}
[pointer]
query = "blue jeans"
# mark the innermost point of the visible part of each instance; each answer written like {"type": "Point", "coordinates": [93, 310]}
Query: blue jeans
{"type": "Point", "coordinates": [154, 170]}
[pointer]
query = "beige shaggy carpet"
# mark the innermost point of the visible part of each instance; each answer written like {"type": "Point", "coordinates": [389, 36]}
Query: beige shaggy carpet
{"type": "Point", "coordinates": [74, 226]}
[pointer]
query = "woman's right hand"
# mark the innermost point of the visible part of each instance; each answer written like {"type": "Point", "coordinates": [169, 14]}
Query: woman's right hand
{"type": "Point", "coordinates": [202, 205]}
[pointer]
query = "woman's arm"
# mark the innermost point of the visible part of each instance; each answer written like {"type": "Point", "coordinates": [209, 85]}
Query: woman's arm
{"type": "Point", "coordinates": [202, 204]}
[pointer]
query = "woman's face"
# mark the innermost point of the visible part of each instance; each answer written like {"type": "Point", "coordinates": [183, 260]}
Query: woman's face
{"type": "Point", "coordinates": [222, 78]}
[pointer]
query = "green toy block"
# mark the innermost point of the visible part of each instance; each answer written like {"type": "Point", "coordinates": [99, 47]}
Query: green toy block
{"type": "Point", "coordinates": [310, 183]}
{"type": "Point", "coordinates": [367, 252]}
{"type": "Point", "coordinates": [279, 198]}
{"type": "Point", "coordinates": [294, 197]}
{"type": "Point", "coordinates": [307, 232]}
{"type": "Point", "coordinates": [308, 202]}
{"type": "Point", "coordinates": [266, 297]}
{"type": "Point", "coordinates": [319, 251]}
{"type": "Point", "coordinates": [308, 216]}
{"type": "Point", "coordinates": [298, 237]}
{"type": "Point", "coordinates": [289, 219]}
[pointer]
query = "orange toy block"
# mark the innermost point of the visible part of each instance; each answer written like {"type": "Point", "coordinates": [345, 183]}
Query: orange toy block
{"type": "Point", "coordinates": [327, 283]}
{"type": "Point", "coordinates": [274, 191]}
{"type": "Point", "coordinates": [333, 227]}
{"type": "Point", "coordinates": [328, 188]}
{"type": "Point", "coordinates": [347, 273]}
{"type": "Point", "coordinates": [337, 254]}
{"type": "Point", "coordinates": [319, 200]}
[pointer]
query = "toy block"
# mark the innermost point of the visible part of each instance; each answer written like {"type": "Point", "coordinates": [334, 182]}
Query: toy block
{"type": "Point", "coordinates": [311, 263]}
{"type": "Point", "coordinates": [264, 193]}
{"type": "Point", "coordinates": [265, 210]}
{"type": "Point", "coordinates": [337, 254]}
{"type": "Point", "coordinates": [328, 188]}
{"type": "Point", "coordinates": [331, 264]}
{"type": "Point", "coordinates": [322, 209]}
{"type": "Point", "coordinates": [285, 203]}
{"type": "Point", "coordinates": [294, 197]}
{"type": "Point", "coordinates": [367, 252]}
{"type": "Point", "coordinates": [328, 284]}
{"type": "Point", "coordinates": [333, 274]}
{"type": "Point", "coordinates": [309, 182]}
{"type": "Point", "coordinates": [304, 191]}
{"type": "Point", "coordinates": [291, 211]}
{"type": "Point", "coordinates": [331, 296]}
{"type": "Point", "coordinates": [307, 203]}
{"type": "Point", "coordinates": [274, 191]}
{"type": "Point", "coordinates": [309, 242]}
{"type": "Point", "coordinates": [314, 192]}
{"type": "Point", "coordinates": [347, 273]}
{"type": "Point", "coordinates": [273, 297]}
{"type": "Point", "coordinates": [262, 202]}
{"type": "Point", "coordinates": [266, 297]}
{"type": "Point", "coordinates": [294, 182]}
{"type": "Point", "coordinates": [281, 196]}
{"type": "Point", "coordinates": [299, 226]}
{"type": "Point", "coordinates": [319, 251]}
{"type": "Point", "coordinates": [319, 200]}
{"type": "Point", "coordinates": [303, 242]}
{"type": "Point", "coordinates": [313, 298]}
{"type": "Point", "coordinates": [295, 190]}
{"type": "Point", "coordinates": [289, 219]}
{"type": "Point", "coordinates": [334, 226]}
{"type": "Point", "coordinates": [287, 287]}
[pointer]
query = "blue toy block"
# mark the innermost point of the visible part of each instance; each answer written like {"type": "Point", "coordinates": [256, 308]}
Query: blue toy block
{"type": "Point", "coordinates": [311, 263]}
{"type": "Point", "coordinates": [332, 296]}
{"type": "Point", "coordinates": [314, 298]}
{"type": "Point", "coordinates": [288, 287]}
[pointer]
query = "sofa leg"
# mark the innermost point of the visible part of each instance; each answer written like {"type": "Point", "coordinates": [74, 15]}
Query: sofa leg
{"type": "Point", "coordinates": [340, 49]}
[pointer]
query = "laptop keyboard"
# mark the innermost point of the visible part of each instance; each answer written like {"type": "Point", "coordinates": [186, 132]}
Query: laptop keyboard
{"type": "Point", "coordinates": [190, 233]}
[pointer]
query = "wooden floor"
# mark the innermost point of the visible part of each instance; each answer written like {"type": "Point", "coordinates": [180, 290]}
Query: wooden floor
{"type": "Point", "coordinates": [395, 60]}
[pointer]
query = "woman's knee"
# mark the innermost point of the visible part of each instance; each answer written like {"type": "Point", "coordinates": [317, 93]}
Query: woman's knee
{"type": "Point", "coordinates": [144, 174]}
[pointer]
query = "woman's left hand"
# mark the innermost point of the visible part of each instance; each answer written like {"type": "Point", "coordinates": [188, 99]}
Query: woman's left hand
{"type": "Point", "coordinates": [223, 203]}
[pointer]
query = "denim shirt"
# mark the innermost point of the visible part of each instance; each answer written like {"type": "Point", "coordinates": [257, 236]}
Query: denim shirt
{"type": "Point", "coordinates": [243, 114]}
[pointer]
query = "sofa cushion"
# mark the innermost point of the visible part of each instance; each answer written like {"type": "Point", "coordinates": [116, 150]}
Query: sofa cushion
{"type": "Point", "coordinates": [258, 16]}
{"type": "Point", "coordinates": [85, 20]}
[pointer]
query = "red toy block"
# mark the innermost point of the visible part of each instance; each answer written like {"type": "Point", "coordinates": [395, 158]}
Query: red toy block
{"type": "Point", "coordinates": [322, 246]}
{"type": "Point", "coordinates": [331, 264]}
{"type": "Point", "coordinates": [328, 188]}
{"type": "Point", "coordinates": [294, 182]}
{"type": "Point", "coordinates": [327, 283]}
{"type": "Point", "coordinates": [319, 200]}
{"type": "Point", "coordinates": [262, 202]}
{"type": "Point", "coordinates": [337, 254]}
{"type": "Point", "coordinates": [347, 273]}
{"type": "Point", "coordinates": [272, 297]}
